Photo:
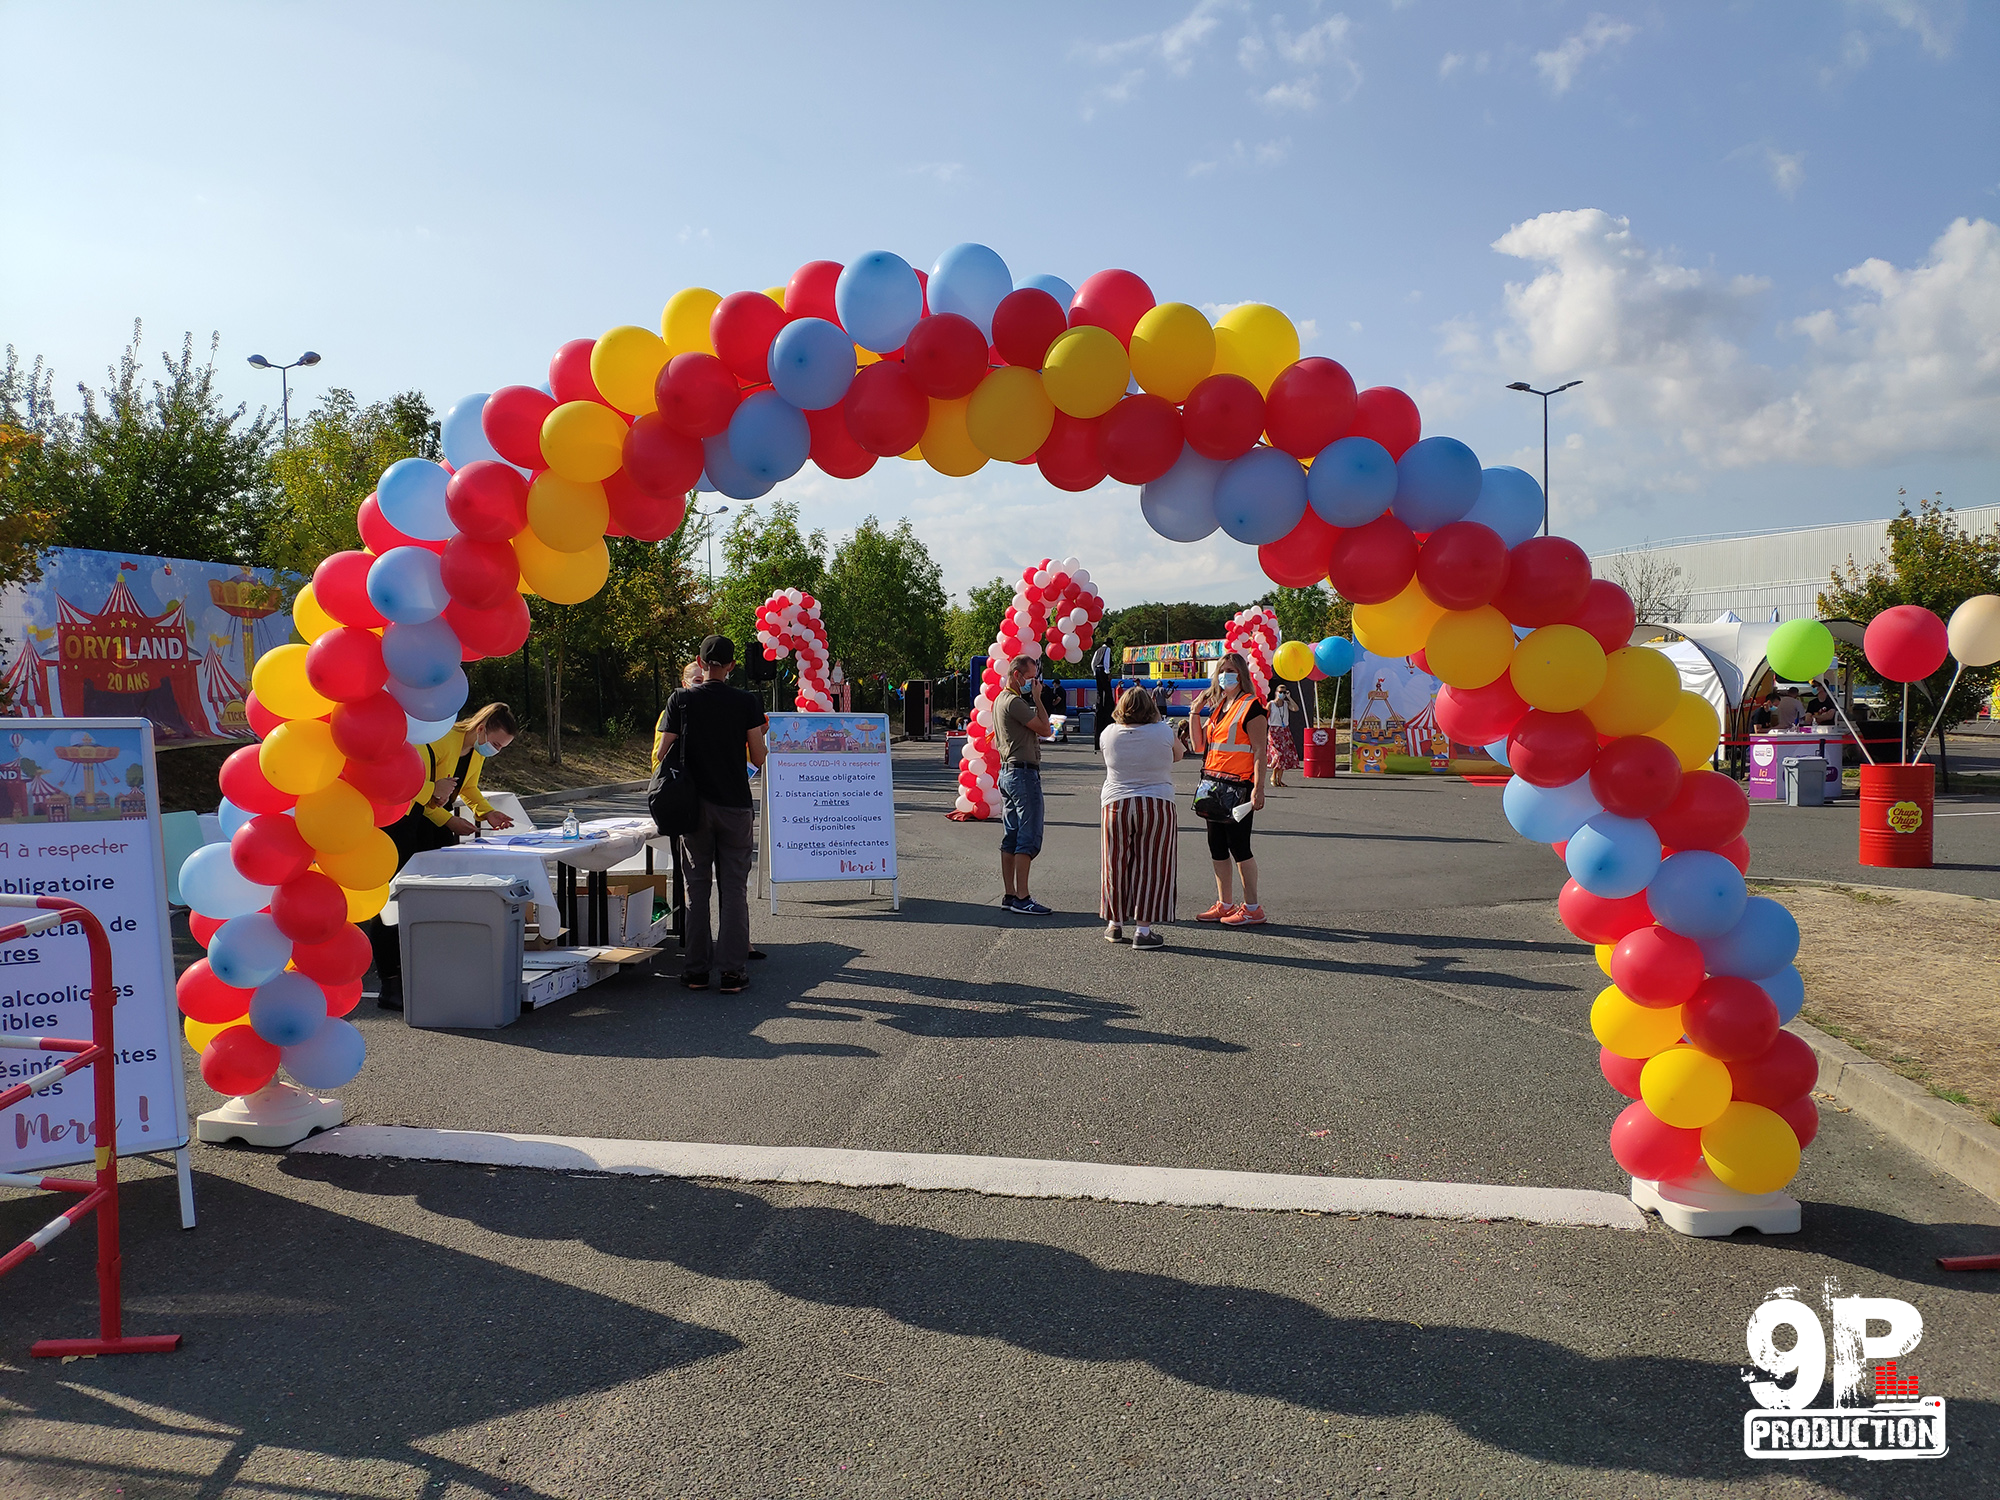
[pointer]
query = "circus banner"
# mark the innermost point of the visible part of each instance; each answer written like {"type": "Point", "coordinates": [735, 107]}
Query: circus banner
{"type": "Point", "coordinates": [159, 638]}
{"type": "Point", "coordinates": [1395, 728]}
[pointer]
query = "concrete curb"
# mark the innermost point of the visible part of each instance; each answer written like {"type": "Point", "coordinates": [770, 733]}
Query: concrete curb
{"type": "Point", "coordinates": [1936, 1129]}
{"type": "Point", "coordinates": [581, 793]}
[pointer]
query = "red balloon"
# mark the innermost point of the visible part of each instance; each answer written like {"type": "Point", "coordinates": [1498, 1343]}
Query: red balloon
{"type": "Point", "coordinates": [243, 782]}
{"type": "Point", "coordinates": [1635, 776]}
{"type": "Point", "coordinates": [637, 512]}
{"type": "Point", "coordinates": [486, 632]}
{"type": "Point", "coordinates": [1730, 1018]}
{"type": "Point", "coordinates": [487, 501]}
{"type": "Point", "coordinates": [238, 1061]}
{"type": "Point", "coordinates": [1706, 812]}
{"type": "Point", "coordinates": [1479, 716]}
{"type": "Point", "coordinates": [387, 814]}
{"type": "Point", "coordinates": [834, 448]}
{"type": "Point", "coordinates": [1224, 415]}
{"type": "Point", "coordinates": [809, 294]}
{"type": "Point", "coordinates": [1622, 1073]}
{"type": "Point", "coordinates": [886, 410]}
{"type": "Point", "coordinates": [1387, 415]}
{"type": "Point", "coordinates": [696, 395]}
{"type": "Point", "coordinates": [660, 460]}
{"type": "Point", "coordinates": [512, 419]}
{"type": "Point", "coordinates": [310, 908]}
{"type": "Point", "coordinates": [342, 998]}
{"type": "Point", "coordinates": [946, 356]}
{"type": "Point", "coordinates": [481, 574]}
{"type": "Point", "coordinates": [1606, 613]}
{"type": "Point", "coordinates": [1803, 1116]}
{"type": "Point", "coordinates": [346, 663]}
{"type": "Point", "coordinates": [1548, 578]}
{"type": "Point", "coordinates": [1372, 564]}
{"type": "Point", "coordinates": [270, 850]}
{"type": "Point", "coordinates": [341, 959]}
{"type": "Point", "coordinates": [1784, 1071]}
{"type": "Point", "coordinates": [1114, 300]}
{"type": "Point", "coordinates": [1905, 643]}
{"type": "Point", "coordinates": [202, 997]}
{"type": "Point", "coordinates": [262, 720]}
{"type": "Point", "coordinates": [1140, 438]}
{"type": "Point", "coordinates": [1737, 852]}
{"type": "Point", "coordinates": [396, 777]}
{"type": "Point", "coordinates": [340, 585]}
{"type": "Point", "coordinates": [1601, 919]}
{"type": "Point", "coordinates": [1657, 967]}
{"type": "Point", "coordinates": [741, 328]}
{"type": "Point", "coordinates": [202, 927]}
{"type": "Point", "coordinates": [1652, 1150]}
{"type": "Point", "coordinates": [1071, 458]}
{"type": "Point", "coordinates": [1311, 403]}
{"type": "Point", "coordinates": [1550, 749]}
{"type": "Point", "coordinates": [1025, 323]}
{"type": "Point", "coordinates": [1462, 565]}
{"type": "Point", "coordinates": [379, 536]}
{"type": "Point", "coordinates": [1299, 558]}
{"type": "Point", "coordinates": [569, 373]}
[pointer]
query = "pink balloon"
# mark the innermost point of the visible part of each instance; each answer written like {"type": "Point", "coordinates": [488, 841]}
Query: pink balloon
{"type": "Point", "coordinates": [1906, 643]}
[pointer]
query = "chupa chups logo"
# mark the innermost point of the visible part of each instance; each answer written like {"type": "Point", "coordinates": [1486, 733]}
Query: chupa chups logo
{"type": "Point", "coordinates": [1904, 817]}
{"type": "Point", "coordinates": [1901, 1423]}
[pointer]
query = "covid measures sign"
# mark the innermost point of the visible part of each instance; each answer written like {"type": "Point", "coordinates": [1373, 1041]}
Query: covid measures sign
{"type": "Point", "coordinates": [829, 798]}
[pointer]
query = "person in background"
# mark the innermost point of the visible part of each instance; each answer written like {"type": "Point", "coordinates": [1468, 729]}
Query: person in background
{"type": "Point", "coordinates": [1101, 712]}
{"type": "Point", "coordinates": [1789, 710]}
{"type": "Point", "coordinates": [1136, 881]}
{"type": "Point", "coordinates": [691, 677]}
{"type": "Point", "coordinates": [1018, 724]}
{"type": "Point", "coordinates": [1230, 729]}
{"type": "Point", "coordinates": [1284, 752]}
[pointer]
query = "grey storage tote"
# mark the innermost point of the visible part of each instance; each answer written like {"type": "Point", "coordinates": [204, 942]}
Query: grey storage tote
{"type": "Point", "coordinates": [1805, 780]}
{"type": "Point", "coordinates": [461, 941]}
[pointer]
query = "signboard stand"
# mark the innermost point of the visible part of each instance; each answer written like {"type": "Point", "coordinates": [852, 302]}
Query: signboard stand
{"type": "Point", "coordinates": [829, 802]}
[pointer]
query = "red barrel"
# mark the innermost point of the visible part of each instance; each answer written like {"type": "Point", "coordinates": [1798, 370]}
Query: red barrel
{"type": "Point", "coordinates": [1896, 816]}
{"type": "Point", "coordinates": [1321, 750]}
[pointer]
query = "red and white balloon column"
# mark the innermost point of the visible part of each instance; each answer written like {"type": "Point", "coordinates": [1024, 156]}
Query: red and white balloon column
{"type": "Point", "coordinates": [1254, 632]}
{"type": "Point", "coordinates": [1055, 602]}
{"type": "Point", "coordinates": [789, 623]}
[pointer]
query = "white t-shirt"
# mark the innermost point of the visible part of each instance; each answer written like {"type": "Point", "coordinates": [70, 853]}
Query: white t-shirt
{"type": "Point", "coordinates": [1138, 761]}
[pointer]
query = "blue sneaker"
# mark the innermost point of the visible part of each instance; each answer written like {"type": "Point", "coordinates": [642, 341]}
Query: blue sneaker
{"type": "Point", "coordinates": [1028, 906]}
{"type": "Point", "coordinates": [1009, 903]}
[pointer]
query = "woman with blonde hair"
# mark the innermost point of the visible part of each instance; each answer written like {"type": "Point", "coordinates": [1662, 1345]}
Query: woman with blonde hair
{"type": "Point", "coordinates": [1231, 730]}
{"type": "Point", "coordinates": [1137, 870]}
{"type": "Point", "coordinates": [692, 676]}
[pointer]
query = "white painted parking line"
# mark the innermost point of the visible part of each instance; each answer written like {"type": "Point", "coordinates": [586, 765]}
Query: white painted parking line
{"type": "Point", "coordinates": [1000, 1176]}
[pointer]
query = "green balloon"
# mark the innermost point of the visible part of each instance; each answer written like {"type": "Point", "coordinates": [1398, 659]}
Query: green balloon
{"type": "Point", "coordinates": [1800, 650]}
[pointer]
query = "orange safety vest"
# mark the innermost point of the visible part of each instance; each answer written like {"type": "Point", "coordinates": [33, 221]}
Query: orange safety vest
{"type": "Point", "coordinates": [1230, 752]}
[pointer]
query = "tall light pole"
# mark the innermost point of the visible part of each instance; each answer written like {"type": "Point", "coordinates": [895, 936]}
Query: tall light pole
{"type": "Point", "coordinates": [708, 531]}
{"type": "Point", "coordinates": [1522, 385]}
{"type": "Point", "coordinates": [258, 362]}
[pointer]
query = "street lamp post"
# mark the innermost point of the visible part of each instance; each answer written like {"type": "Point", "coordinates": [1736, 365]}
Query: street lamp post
{"type": "Point", "coordinates": [258, 362]}
{"type": "Point", "coordinates": [1522, 385]}
{"type": "Point", "coordinates": [708, 532]}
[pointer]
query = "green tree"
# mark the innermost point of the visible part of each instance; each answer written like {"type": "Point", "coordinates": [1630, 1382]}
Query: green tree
{"type": "Point", "coordinates": [1148, 624]}
{"type": "Point", "coordinates": [971, 627]}
{"type": "Point", "coordinates": [334, 457]}
{"type": "Point", "coordinates": [658, 608]}
{"type": "Point", "coordinates": [29, 518]}
{"type": "Point", "coordinates": [1303, 614]}
{"type": "Point", "coordinates": [762, 553]}
{"type": "Point", "coordinates": [884, 605]}
{"type": "Point", "coordinates": [135, 776]}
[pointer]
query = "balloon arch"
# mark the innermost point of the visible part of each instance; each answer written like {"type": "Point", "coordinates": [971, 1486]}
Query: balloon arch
{"type": "Point", "coordinates": [1223, 426]}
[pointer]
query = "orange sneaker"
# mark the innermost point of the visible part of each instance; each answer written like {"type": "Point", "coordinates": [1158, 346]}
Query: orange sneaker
{"type": "Point", "coordinates": [1220, 912]}
{"type": "Point", "coordinates": [1245, 916]}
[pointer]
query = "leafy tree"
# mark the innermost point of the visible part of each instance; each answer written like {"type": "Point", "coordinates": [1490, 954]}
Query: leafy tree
{"type": "Point", "coordinates": [1303, 614]}
{"type": "Point", "coordinates": [971, 627]}
{"type": "Point", "coordinates": [29, 520]}
{"type": "Point", "coordinates": [658, 608]}
{"type": "Point", "coordinates": [884, 604]}
{"type": "Point", "coordinates": [1149, 624]}
{"type": "Point", "coordinates": [762, 554]}
{"type": "Point", "coordinates": [329, 467]}
{"type": "Point", "coordinates": [135, 776]}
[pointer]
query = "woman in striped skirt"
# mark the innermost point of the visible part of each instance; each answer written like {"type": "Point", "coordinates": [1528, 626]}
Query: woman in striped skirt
{"type": "Point", "coordinates": [1140, 821]}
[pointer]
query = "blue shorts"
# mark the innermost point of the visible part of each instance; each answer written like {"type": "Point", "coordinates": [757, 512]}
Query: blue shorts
{"type": "Point", "coordinates": [1021, 817]}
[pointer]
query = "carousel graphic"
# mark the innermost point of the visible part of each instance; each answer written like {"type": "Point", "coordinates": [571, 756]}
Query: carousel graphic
{"type": "Point", "coordinates": [70, 777]}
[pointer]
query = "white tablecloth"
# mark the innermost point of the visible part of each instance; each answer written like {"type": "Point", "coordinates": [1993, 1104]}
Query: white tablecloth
{"type": "Point", "coordinates": [525, 856]}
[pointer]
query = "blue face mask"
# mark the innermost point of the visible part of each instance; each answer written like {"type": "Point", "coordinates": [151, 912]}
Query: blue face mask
{"type": "Point", "coordinates": [487, 749]}
{"type": "Point", "coordinates": [1226, 680]}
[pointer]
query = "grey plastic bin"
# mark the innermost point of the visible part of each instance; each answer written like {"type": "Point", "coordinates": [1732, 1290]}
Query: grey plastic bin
{"type": "Point", "coordinates": [461, 941]}
{"type": "Point", "coordinates": [1805, 781]}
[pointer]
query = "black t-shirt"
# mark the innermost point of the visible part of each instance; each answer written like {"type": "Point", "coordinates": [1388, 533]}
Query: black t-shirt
{"type": "Point", "coordinates": [713, 724]}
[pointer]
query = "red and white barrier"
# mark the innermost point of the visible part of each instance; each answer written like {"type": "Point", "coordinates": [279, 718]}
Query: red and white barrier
{"type": "Point", "coordinates": [789, 622]}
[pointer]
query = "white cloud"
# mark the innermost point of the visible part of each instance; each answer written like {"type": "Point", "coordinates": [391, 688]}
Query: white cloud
{"type": "Point", "coordinates": [1935, 25]}
{"type": "Point", "coordinates": [944, 173]}
{"type": "Point", "coordinates": [1560, 66]}
{"type": "Point", "coordinates": [1299, 94]}
{"type": "Point", "coordinates": [1322, 45]}
{"type": "Point", "coordinates": [1173, 49]}
{"type": "Point", "coordinates": [1451, 63]}
{"type": "Point", "coordinates": [1787, 169]}
{"type": "Point", "coordinates": [1264, 154]}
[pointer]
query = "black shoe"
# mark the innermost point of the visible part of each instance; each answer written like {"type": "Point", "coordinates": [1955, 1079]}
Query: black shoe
{"type": "Point", "coordinates": [735, 983]}
{"type": "Point", "coordinates": [1148, 940]}
{"type": "Point", "coordinates": [391, 997]}
{"type": "Point", "coordinates": [695, 980]}
{"type": "Point", "coordinates": [758, 953]}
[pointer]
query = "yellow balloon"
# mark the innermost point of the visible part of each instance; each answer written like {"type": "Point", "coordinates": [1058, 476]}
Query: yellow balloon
{"type": "Point", "coordinates": [567, 515]}
{"type": "Point", "coordinates": [1603, 951]}
{"type": "Point", "coordinates": [1400, 626]}
{"type": "Point", "coordinates": [361, 905]}
{"type": "Point", "coordinates": [684, 323]}
{"type": "Point", "coordinates": [1558, 668]}
{"type": "Point", "coordinates": [1009, 415]}
{"type": "Point", "coordinates": [300, 756]}
{"type": "Point", "coordinates": [624, 363]}
{"type": "Point", "coordinates": [335, 819]}
{"type": "Point", "coordinates": [863, 358]}
{"type": "Point", "coordinates": [775, 293]}
{"type": "Point", "coordinates": [1640, 689]}
{"type": "Point", "coordinates": [561, 577]}
{"type": "Point", "coordinates": [1468, 648]}
{"type": "Point", "coordinates": [1750, 1148]}
{"type": "Point", "coordinates": [279, 681]}
{"type": "Point", "coordinates": [308, 619]}
{"type": "Point", "coordinates": [583, 440]}
{"type": "Point", "coordinates": [200, 1033]}
{"type": "Point", "coordinates": [1685, 1087]}
{"type": "Point", "coordinates": [947, 441]}
{"type": "Point", "coordinates": [1256, 342]}
{"type": "Point", "coordinates": [1293, 660]}
{"type": "Point", "coordinates": [1690, 731]}
{"type": "Point", "coordinates": [369, 864]}
{"type": "Point", "coordinates": [915, 454]}
{"type": "Point", "coordinates": [1630, 1029]}
{"type": "Point", "coordinates": [1173, 349]}
{"type": "Point", "coordinates": [1085, 371]}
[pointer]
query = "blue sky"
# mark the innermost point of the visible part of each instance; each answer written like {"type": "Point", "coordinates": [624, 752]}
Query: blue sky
{"type": "Point", "coordinates": [1763, 235]}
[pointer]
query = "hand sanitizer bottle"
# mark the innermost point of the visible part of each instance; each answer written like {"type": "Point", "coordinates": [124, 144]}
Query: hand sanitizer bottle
{"type": "Point", "coordinates": [571, 828]}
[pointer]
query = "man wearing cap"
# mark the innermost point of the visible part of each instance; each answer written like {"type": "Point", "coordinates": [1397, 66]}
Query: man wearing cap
{"type": "Point", "coordinates": [724, 730]}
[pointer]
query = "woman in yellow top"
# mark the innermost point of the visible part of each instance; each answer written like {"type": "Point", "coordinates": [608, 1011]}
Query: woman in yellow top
{"type": "Point", "coordinates": [1231, 731]}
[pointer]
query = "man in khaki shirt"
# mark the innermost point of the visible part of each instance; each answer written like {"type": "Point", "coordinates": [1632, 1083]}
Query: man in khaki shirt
{"type": "Point", "coordinates": [1018, 724]}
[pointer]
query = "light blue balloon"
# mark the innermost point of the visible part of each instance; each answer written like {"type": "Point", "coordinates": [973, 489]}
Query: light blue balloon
{"type": "Point", "coordinates": [1437, 481]}
{"type": "Point", "coordinates": [329, 1057]}
{"type": "Point", "coordinates": [879, 300]}
{"type": "Point", "coordinates": [422, 655]}
{"type": "Point", "coordinates": [1510, 501]}
{"type": "Point", "coordinates": [245, 951]}
{"type": "Point", "coordinates": [463, 434]}
{"type": "Point", "coordinates": [725, 475]}
{"type": "Point", "coordinates": [970, 280]}
{"type": "Point", "coordinates": [427, 731]}
{"type": "Point", "coordinates": [1548, 814]}
{"type": "Point", "coordinates": [411, 495]}
{"type": "Point", "coordinates": [1498, 750]}
{"type": "Point", "coordinates": [406, 586]}
{"type": "Point", "coordinates": [1335, 656]}
{"type": "Point", "coordinates": [211, 885]}
{"type": "Point", "coordinates": [230, 817]}
{"type": "Point", "coordinates": [1260, 496]}
{"type": "Point", "coordinates": [812, 363]}
{"type": "Point", "coordinates": [1787, 989]}
{"type": "Point", "coordinates": [1764, 940]}
{"type": "Point", "coordinates": [1351, 482]}
{"type": "Point", "coordinates": [442, 701]}
{"type": "Point", "coordinates": [1613, 857]}
{"type": "Point", "coordinates": [1055, 286]}
{"type": "Point", "coordinates": [769, 437]}
{"type": "Point", "coordinates": [1697, 894]}
{"type": "Point", "coordinates": [287, 1009]}
{"type": "Point", "coordinates": [1180, 504]}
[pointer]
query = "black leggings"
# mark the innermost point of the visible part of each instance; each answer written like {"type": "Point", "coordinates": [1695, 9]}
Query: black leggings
{"type": "Point", "coordinates": [1229, 839]}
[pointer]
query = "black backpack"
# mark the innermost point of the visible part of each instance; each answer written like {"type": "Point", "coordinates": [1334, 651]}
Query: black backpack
{"type": "Point", "coordinates": [671, 800]}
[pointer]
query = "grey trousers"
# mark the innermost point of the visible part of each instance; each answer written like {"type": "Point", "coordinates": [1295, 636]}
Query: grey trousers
{"type": "Point", "coordinates": [716, 856]}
